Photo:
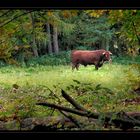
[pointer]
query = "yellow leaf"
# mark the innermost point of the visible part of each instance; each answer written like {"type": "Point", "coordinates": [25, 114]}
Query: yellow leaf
{"type": "Point", "coordinates": [50, 13]}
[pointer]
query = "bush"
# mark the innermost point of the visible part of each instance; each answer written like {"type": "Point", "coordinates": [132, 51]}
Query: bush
{"type": "Point", "coordinates": [63, 58]}
{"type": "Point", "coordinates": [126, 60]}
{"type": "Point", "coordinates": [2, 63]}
{"type": "Point", "coordinates": [83, 48]}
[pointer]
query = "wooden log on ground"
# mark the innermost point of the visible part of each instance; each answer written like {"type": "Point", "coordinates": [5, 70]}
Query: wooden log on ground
{"type": "Point", "coordinates": [72, 101]}
{"type": "Point", "coordinates": [122, 119]}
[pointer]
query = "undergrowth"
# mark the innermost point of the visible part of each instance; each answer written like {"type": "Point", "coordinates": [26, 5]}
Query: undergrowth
{"type": "Point", "coordinates": [104, 90]}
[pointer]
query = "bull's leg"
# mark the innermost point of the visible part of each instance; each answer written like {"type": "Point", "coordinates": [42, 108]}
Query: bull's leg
{"type": "Point", "coordinates": [77, 66]}
{"type": "Point", "coordinates": [100, 65]}
{"type": "Point", "coordinates": [73, 67]}
{"type": "Point", "coordinates": [96, 67]}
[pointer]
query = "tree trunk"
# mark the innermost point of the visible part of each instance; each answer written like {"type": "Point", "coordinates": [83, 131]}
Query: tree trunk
{"type": "Point", "coordinates": [34, 46]}
{"type": "Point", "coordinates": [103, 43]}
{"type": "Point", "coordinates": [49, 35]}
{"type": "Point", "coordinates": [55, 40]}
{"type": "Point", "coordinates": [116, 48]}
{"type": "Point", "coordinates": [107, 44]}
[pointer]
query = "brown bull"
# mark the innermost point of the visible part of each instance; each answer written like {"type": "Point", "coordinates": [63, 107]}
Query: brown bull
{"type": "Point", "coordinates": [86, 57]}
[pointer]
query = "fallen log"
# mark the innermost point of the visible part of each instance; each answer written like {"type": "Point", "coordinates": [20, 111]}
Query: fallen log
{"type": "Point", "coordinates": [50, 123]}
{"type": "Point", "coordinates": [72, 119]}
{"type": "Point", "coordinates": [72, 101]}
{"type": "Point", "coordinates": [70, 110]}
{"type": "Point", "coordinates": [121, 119]}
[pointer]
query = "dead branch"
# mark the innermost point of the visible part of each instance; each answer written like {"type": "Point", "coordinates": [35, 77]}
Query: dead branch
{"type": "Point", "coordinates": [5, 14]}
{"type": "Point", "coordinates": [72, 119]}
{"type": "Point", "coordinates": [72, 101]}
{"type": "Point", "coordinates": [134, 114]}
{"type": "Point", "coordinates": [81, 113]}
{"type": "Point", "coordinates": [1, 25]}
{"type": "Point", "coordinates": [122, 119]}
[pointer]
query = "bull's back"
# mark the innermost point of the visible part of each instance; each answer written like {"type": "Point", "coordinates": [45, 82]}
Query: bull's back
{"type": "Point", "coordinates": [80, 53]}
{"type": "Point", "coordinates": [86, 53]}
{"type": "Point", "coordinates": [76, 52]}
{"type": "Point", "coordinates": [83, 56]}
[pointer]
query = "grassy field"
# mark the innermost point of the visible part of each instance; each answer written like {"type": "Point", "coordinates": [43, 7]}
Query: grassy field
{"type": "Point", "coordinates": [104, 90]}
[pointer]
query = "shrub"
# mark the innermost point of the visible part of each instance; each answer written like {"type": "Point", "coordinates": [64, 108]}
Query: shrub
{"type": "Point", "coordinates": [63, 58]}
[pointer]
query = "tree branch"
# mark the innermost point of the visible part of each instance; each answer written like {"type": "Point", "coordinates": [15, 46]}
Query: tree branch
{"type": "Point", "coordinates": [2, 25]}
{"type": "Point", "coordinates": [71, 118]}
{"type": "Point", "coordinates": [81, 113]}
{"type": "Point", "coordinates": [72, 101]}
{"type": "Point", "coordinates": [121, 119]}
{"type": "Point", "coordinates": [136, 32]}
{"type": "Point", "coordinates": [5, 13]}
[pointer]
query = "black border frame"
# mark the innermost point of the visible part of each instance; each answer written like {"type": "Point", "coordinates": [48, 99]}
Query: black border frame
{"type": "Point", "coordinates": [70, 4]}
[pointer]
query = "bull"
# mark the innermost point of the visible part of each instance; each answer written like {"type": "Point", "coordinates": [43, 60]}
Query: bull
{"type": "Point", "coordinates": [86, 57]}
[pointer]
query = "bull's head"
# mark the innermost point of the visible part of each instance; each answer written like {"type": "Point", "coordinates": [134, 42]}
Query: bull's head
{"type": "Point", "coordinates": [106, 55]}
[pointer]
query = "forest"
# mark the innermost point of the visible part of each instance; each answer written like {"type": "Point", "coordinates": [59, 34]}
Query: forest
{"type": "Point", "coordinates": [39, 91]}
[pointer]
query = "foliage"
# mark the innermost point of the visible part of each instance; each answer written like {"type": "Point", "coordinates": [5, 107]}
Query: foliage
{"type": "Point", "coordinates": [23, 33]}
{"type": "Point", "coordinates": [100, 91]}
{"type": "Point", "coordinates": [63, 58]}
{"type": "Point", "coordinates": [126, 60]}
{"type": "Point", "coordinates": [55, 18]}
{"type": "Point", "coordinates": [127, 18]}
{"type": "Point", "coordinates": [126, 26]}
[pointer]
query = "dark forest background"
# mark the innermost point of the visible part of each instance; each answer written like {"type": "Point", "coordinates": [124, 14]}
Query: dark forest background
{"type": "Point", "coordinates": [29, 34]}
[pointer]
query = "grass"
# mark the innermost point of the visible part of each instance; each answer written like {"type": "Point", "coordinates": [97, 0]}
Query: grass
{"type": "Point", "coordinates": [111, 76]}
{"type": "Point", "coordinates": [102, 91]}
{"type": "Point", "coordinates": [53, 75]}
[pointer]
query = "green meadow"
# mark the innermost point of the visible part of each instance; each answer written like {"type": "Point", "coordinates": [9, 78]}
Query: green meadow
{"type": "Point", "coordinates": [104, 90]}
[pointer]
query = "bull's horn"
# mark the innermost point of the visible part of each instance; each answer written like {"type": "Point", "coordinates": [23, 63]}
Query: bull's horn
{"type": "Point", "coordinates": [103, 53]}
{"type": "Point", "coordinates": [110, 53]}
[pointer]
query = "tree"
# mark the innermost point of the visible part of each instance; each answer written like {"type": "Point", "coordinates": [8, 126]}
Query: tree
{"type": "Point", "coordinates": [50, 49]}
{"type": "Point", "coordinates": [9, 27]}
{"type": "Point", "coordinates": [31, 33]}
{"type": "Point", "coordinates": [55, 40]}
{"type": "Point", "coordinates": [34, 46]}
{"type": "Point", "coordinates": [93, 32]}
{"type": "Point", "coordinates": [126, 26]}
{"type": "Point", "coordinates": [129, 27]}
{"type": "Point", "coordinates": [59, 25]}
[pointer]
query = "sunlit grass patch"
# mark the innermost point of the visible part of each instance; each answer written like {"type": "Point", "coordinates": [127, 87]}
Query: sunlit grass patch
{"type": "Point", "coordinates": [102, 91]}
